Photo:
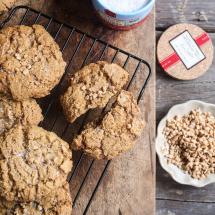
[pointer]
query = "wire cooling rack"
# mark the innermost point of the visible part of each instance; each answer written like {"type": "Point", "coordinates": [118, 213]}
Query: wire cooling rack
{"type": "Point", "coordinates": [78, 49]}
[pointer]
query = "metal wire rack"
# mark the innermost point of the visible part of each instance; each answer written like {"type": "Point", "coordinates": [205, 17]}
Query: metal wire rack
{"type": "Point", "coordinates": [78, 49]}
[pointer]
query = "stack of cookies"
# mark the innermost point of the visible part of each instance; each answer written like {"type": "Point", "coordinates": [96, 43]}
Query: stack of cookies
{"type": "Point", "coordinates": [34, 163]}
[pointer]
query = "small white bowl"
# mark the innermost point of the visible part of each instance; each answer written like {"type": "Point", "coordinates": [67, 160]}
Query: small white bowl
{"type": "Point", "coordinates": [177, 174]}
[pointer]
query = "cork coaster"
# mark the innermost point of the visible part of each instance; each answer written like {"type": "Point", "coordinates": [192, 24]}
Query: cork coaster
{"type": "Point", "coordinates": [6, 4]}
{"type": "Point", "coordinates": [185, 51]}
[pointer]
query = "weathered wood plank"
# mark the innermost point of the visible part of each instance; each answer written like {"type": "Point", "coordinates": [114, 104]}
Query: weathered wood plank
{"type": "Point", "coordinates": [171, 92]}
{"type": "Point", "coordinates": [184, 208]}
{"type": "Point", "coordinates": [198, 12]}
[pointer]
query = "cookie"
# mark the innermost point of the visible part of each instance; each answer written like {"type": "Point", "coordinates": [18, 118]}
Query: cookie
{"type": "Point", "coordinates": [5, 207]}
{"type": "Point", "coordinates": [31, 63]}
{"type": "Point", "coordinates": [5, 5]}
{"type": "Point", "coordinates": [31, 208]}
{"type": "Point", "coordinates": [33, 163]}
{"type": "Point", "coordinates": [57, 203]}
{"type": "Point", "coordinates": [92, 87]}
{"type": "Point", "coordinates": [13, 112]}
{"type": "Point", "coordinates": [117, 131]}
{"type": "Point", "coordinates": [15, 208]}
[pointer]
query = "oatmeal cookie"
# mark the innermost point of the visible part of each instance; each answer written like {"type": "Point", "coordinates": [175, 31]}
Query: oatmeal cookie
{"type": "Point", "coordinates": [5, 207]}
{"type": "Point", "coordinates": [33, 163]}
{"type": "Point", "coordinates": [15, 208]}
{"type": "Point", "coordinates": [5, 5]}
{"type": "Point", "coordinates": [92, 87]}
{"type": "Point", "coordinates": [31, 63]}
{"type": "Point", "coordinates": [57, 203]}
{"type": "Point", "coordinates": [117, 131]}
{"type": "Point", "coordinates": [13, 112]}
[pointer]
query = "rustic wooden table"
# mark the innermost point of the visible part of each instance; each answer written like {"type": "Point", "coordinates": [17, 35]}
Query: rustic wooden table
{"type": "Point", "coordinates": [129, 185]}
{"type": "Point", "coordinates": [173, 198]}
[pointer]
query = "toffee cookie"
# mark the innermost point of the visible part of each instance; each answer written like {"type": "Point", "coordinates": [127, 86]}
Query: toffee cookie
{"type": "Point", "coordinates": [33, 163]}
{"type": "Point", "coordinates": [5, 5]}
{"type": "Point", "coordinates": [31, 63]}
{"type": "Point", "coordinates": [57, 203]}
{"type": "Point", "coordinates": [13, 208]}
{"type": "Point", "coordinates": [5, 206]}
{"type": "Point", "coordinates": [13, 112]}
{"type": "Point", "coordinates": [92, 87]}
{"type": "Point", "coordinates": [117, 131]}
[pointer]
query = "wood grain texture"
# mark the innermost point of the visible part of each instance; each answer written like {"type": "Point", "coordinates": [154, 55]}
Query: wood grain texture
{"type": "Point", "coordinates": [167, 189]}
{"type": "Point", "coordinates": [129, 185]}
{"type": "Point", "coordinates": [198, 12]}
{"type": "Point", "coordinates": [171, 197]}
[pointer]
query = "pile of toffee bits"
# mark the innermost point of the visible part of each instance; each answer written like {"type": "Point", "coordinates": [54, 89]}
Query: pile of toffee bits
{"type": "Point", "coordinates": [191, 143]}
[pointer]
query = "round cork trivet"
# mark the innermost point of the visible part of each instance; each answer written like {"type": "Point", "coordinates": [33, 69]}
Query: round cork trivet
{"type": "Point", "coordinates": [178, 69]}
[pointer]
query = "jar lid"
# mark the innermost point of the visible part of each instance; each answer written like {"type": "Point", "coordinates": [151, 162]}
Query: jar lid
{"type": "Point", "coordinates": [185, 51]}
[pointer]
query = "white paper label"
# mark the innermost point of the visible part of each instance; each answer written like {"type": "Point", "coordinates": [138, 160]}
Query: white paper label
{"type": "Point", "coordinates": [187, 49]}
